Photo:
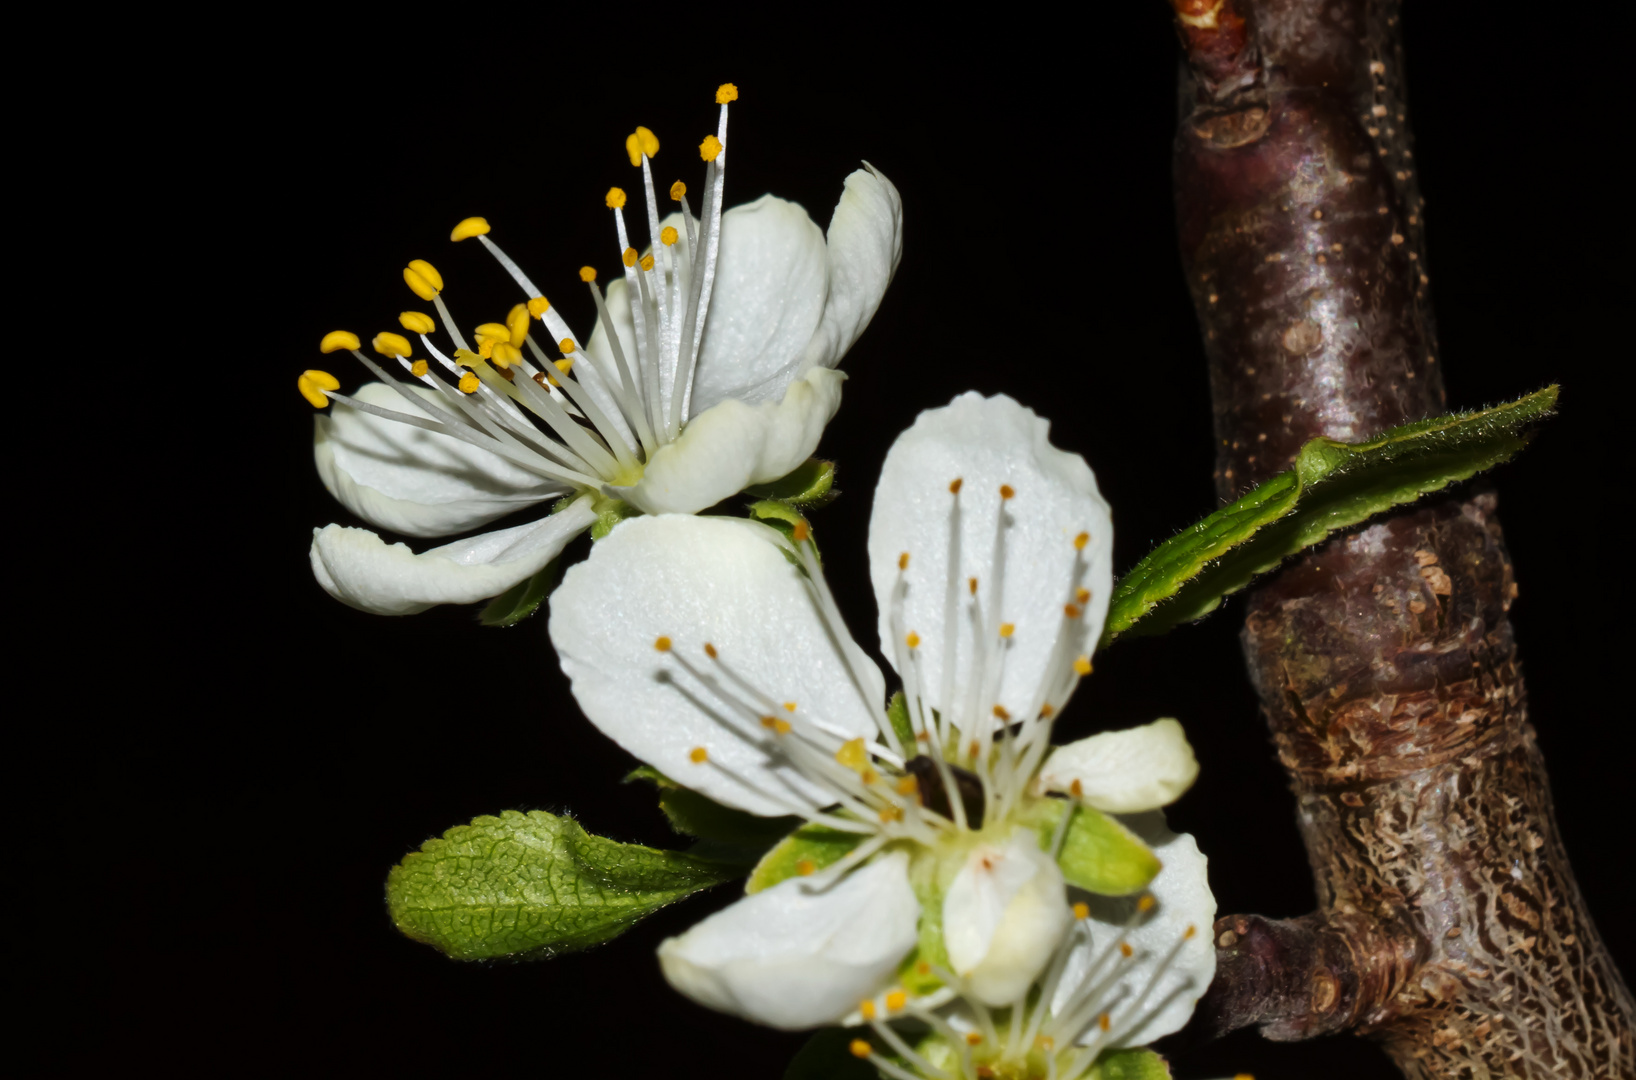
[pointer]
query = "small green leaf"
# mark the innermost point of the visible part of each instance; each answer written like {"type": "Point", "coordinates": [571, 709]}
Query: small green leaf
{"type": "Point", "coordinates": [726, 834]}
{"type": "Point", "coordinates": [535, 885]}
{"type": "Point", "coordinates": [810, 485]}
{"type": "Point", "coordinates": [1098, 854]}
{"type": "Point", "coordinates": [522, 599]}
{"type": "Point", "coordinates": [1333, 486]}
{"type": "Point", "coordinates": [816, 844]}
{"type": "Point", "coordinates": [897, 711]}
{"type": "Point", "coordinates": [1140, 1064]}
{"type": "Point", "coordinates": [828, 1056]}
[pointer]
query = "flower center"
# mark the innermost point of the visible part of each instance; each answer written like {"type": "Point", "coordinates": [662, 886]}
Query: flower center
{"type": "Point", "coordinates": [578, 420]}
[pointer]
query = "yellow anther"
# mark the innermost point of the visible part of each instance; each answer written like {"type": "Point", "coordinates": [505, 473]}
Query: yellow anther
{"type": "Point", "coordinates": [1243, 1076]}
{"type": "Point", "coordinates": [1076, 789]}
{"type": "Point", "coordinates": [1044, 1042]}
{"type": "Point", "coordinates": [485, 348]}
{"type": "Point", "coordinates": [1007, 629]}
{"type": "Point", "coordinates": [472, 226]}
{"type": "Point", "coordinates": [1082, 665]}
{"type": "Point", "coordinates": [629, 258]}
{"type": "Point", "coordinates": [504, 354]}
{"type": "Point", "coordinates": [1125, 950]}
{"type": "Point", "coordinates": [416, 322]}
{"type": "Point", "coordinates": [642, 142]}
{"type": "Point", "coordinates": [1000, 713]}
{"type": "Point", "coordinates": [668, 235]}
{"type": "Point", "coordinates": [1007, 491]}
{"type": "Point", "coordinates": [710, 149]}
{"type": "Point", "coordinates": [336, 340]}
{"type": "Point", "coordinates": [709, 650]}
{"type": "Point", "coordinates": [907, 786]}
{"type": "Point", "coordinates": [1192, 932]}
{"type": "Point", "coordinates": [802, 531]}
{"type": "Point", "coordinates": [860, 1048]}
{"type": "Point", "coordinates": [1082, 911]}
{"type": "Point", "coordinates": [389, 344]}
{"type": "Point", "coordinates": [955, 485]}
{"type": "Point", "coordinates": [806, 867]}
{"type": "Point", "coordinates": [538, 306]}
{"type": "Point", "coordinates": [469, 383]}
{"type": "Point", "coordinates": [418, 369]}
{"type": "Point", "coordinates": [974, 1038]}
{"type": "Point", "coordinates": [789, 706]}
{"type": "Point", "coordinates": [466, 358]}
{"type": "Point", "coordinates": [517, 320]}
{"type": "Point", "coordinates": [1083, 596]}
{"type": "Point", "coordinates": [776, 724]}
{"type": "Point", "coordinates": [852, 754]}
{"type": "Point", "coordinates": [497, 331]}
{"type": "Point", "coordinates": [1145, 904]}
{"type": "Point", "coordinates": [924, 968]}
{"type": "Point", "coordinates": [312, 384]}
{"type": "Point", "coordinates": [896, 1000]}
{"type": "Point", "coordinates": [587, 274]}
{"type": "Point", "coordinates": [661, 643]}
{"type": "Point", "coordinates": [647, 262]}
{"type": "Point", "coordinates": [903, 561]}
{"type": "Point", "coordinates": [698, 755]}
{"type": "Point", "coordinates": [566, 346]}
{"type": "Point", "coordinates": [616, 198]}
{"type": "Point", "coordinates": [677, 190]}
{"type": "Point", "coordinates": [868, 775]}
{"type": "Point", "coordinates": [912, 640]}
{"type": "Point", "coordinates": [1104, 1021]}
{"type": "Point", "coordinates": [1047, 711]}
{"type": "Point", "coordinates": [866, 1009]}
{"type": "Point", "coordinates": [971, 584]}
{"type": "Point", "coordinates": [1071, 611]}
{"type": "Point", "coordinates": [724, 93]}
{"type": "Point", "coordinates": [418, 284]}
{"type": "Point", "coordinates": [973, 749]}
{"type": "Point", "coordinates": [1081, 540]}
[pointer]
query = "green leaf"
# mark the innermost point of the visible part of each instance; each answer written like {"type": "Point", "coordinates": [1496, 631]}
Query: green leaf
{"type": "Point", "coordinates": [1333, 486]}
{"type": "Point", "coordinates": [1140, 1064]}
{"type": "Point", "coordinates": [816, 844]}
{"type": "Point", "coordinates": [535, 885]}
{"type": "Point", "coordinates": [810, 485]}
{"type": "Point", "coordinates": [522, 599]}
{"type": "Point", "coordinates": [828, 1056]}
{"type": "Point", "coordinates": [897, 711]}
{"type": "Point", "coordinates": [1098, 854]}
{"type": "Point", "coordinates": [725, 834]}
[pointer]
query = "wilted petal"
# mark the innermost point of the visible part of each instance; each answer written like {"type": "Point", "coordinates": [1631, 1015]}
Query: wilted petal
{"type": "Point", "coordinates": [412, 481]}
{"type": "Point", "coordinates": [790, 958]}
{"type": "Point", "coordinates": [360, 569]}
{"type": "Point", "coordinates": [1124, 772]}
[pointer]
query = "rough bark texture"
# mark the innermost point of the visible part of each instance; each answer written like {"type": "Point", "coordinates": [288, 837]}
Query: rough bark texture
{"type": "Point", "coordinates": [1449, 925]}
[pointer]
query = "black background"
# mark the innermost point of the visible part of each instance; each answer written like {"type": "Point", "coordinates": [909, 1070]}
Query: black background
{"type": "Point", "coordinates": [300, 748]}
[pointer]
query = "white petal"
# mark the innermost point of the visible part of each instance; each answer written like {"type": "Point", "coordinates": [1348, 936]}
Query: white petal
{"type": "Point", "coordinates": [695, 580]}
{"type": "Point", "coordinates": [733, 445]}
{"type": "Point", "coordinates": [986, 443]}
{"type": "Point", "coordinates": [413, 481]}
{"type": "Point", "coordinates": [1124, 772]}
{"type": "Point", "coordinates": [768, 299]}
{"type": "Point", "coordinates": [360, 569]}
{"type": "Point", "coordinates": [790, 958]}
{"type": "Point", "coordinates": [1184, 900]}
{"type": "Point", "coordinates": [1003, 916]}
{"type": "Point", "coordinates": [865, 244]}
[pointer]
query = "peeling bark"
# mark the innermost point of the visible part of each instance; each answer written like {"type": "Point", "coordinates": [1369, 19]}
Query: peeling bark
{"type": "Point", "coordinates": [1449, 925]}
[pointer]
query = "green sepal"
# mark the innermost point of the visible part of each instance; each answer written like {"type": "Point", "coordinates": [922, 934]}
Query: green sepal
{"type": "Point", "coordinates": [1136, 1064]}
{"type": "Point", "coordinates": [534, 885]}
{"type": "Point", "coordinates": [1333, 486]}
{"type": "Point", "coordinates": [522, 599]}
{"type": "Point", "coordinates": [811, 485]}
{"type": "Point", "coordinates": [784, 517]}
{"type": "Point", "coordinates": [610, 512]}
{"type": "Point", "coordinates": [724, 833]}
{"type": "Point", "coordinates": [828, 1056]}
{"type": "Point", "coordinates": [897, 712]}
{"type": "Point", "coordinates": [930, 879]}
{"type": "Point", "coordinates": [1098, 854]}
{"type": "Point", "coordinates": [816, 843]}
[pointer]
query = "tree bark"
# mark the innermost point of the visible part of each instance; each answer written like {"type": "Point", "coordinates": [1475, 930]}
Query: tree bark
{"type": "Point", "coordinates": [1449, 924]}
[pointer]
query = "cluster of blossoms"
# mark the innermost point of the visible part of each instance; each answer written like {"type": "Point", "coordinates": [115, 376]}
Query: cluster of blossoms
{"type": "Point", "coordinates": [975, 901]}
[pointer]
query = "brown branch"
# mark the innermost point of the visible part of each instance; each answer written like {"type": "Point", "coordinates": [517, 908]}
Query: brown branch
{"type": "Point", "coordinates": [1449, 924]}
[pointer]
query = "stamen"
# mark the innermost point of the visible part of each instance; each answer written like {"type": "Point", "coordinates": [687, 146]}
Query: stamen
{"type": "Point", "coordinates": [724, 93]}
{"type": "Point", "coordinates": [866, 1009]}
{"type": "Point", "coordinates": [662, 643]}
{"type": "Point", "coordinates": [470, 227]}
{"type": "Point", "coordinates": [418, 369]}
{"type": "Point", "coordinates": [1081, 540]}
{"type": "Point", "coordinates": [710, 149]}
{"type": "Point", "coordinates": [805, 867]}
{"type": "Point", "coordinates": [423, 279]}
{"type": "Point", "coordinates": [336, 340]}
{"type": "Point", "coordinates": [1007, 629]}
{"type": "Point", "coordinates": [678, 190]}
{"type": "Point", "coordinates": [1082, 665]}
{"type": "Point", "coordinates": [642, 142]}
{"type": "Point", "coordinates": [646, 262]}
{"type": "Point", "coordinates": [629, 257]}
{"type": "Point", "coordinates": [539, 305]}
{"type": "Point", "coordinates": [896, 1000]}
{"type": "Point", "coordinates": [1007, 492]}
{"type": "Point", "coordinates": [667, 236]}
{"type": "Point", "coordinates": [698, 755]}
{"type": "Point", "coordinates": [312, 385]}
{"type": "Point", "coordinates": [955, 485]}
{"type": "Point", "coordinates": [1082, 910]}
{"type": "Point", "coordinates": [615, 200]}
{"type": "Point", "coordinates": [469, 383]}
{"type": "Point", "coordinates": [415, 322]}
{"type": "Point", "coordinates": [587, 274]}
{"type": "Point", "coordinates": [912, 640]}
